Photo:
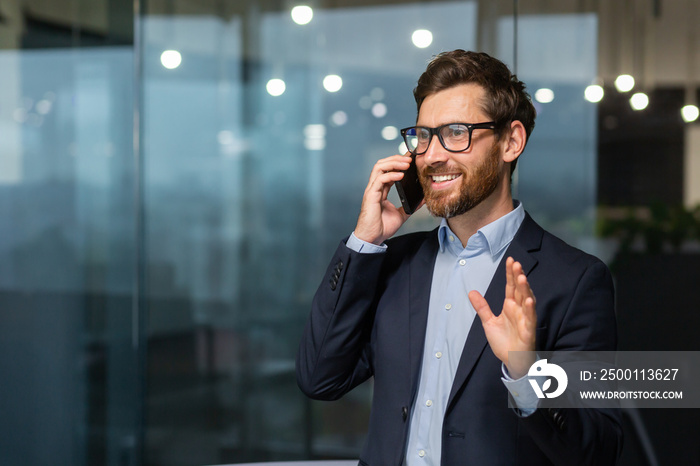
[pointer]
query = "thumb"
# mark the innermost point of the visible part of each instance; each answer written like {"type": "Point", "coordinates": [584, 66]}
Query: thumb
{"type": "Point", "coordinates": [481, 306]}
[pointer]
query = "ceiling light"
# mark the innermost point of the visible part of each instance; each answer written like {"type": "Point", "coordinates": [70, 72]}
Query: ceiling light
{"type": "Point", "coordinates": [594, 93]}
{"type": "Point", "coordinates": [624, 83]}
{"type": "Point", "coordinates": [302, 14]}
{"type": "Point", "coordinates": [389, 133]}
{"type": "Point", "coordinates": [422, 38]}
{"type": "Point", "coordinates": [339, 118]}
{"type": "Point", "coordinates": [332, 83]}
{"type": "Point", "coordinates": [170, 59]}
{"type": "Point", "coordinates": [276, 87]}
{"type": "Point", "coordinates": [379, 110]}
{"type": "Point", "coordinates": [639, 101]}
{"type": "Point", "coordinates": [690, 113]}
{"type": "Point", "coordinates": [544, 95]}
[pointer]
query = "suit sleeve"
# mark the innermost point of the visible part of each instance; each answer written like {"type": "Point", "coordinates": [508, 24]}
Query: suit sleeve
{"type": "Point", "coordinates": [334, 354]}
{"type": "Point", "coordinates": [584, 436]}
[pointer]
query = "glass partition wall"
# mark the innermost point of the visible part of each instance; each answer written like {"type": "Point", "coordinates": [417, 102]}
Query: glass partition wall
{"type": "Point", "coordinates": [69, 344]}
{"type": "Point", "coordinates": [174, 175]}
{"type": "Point", "coordinates": [253, 173]}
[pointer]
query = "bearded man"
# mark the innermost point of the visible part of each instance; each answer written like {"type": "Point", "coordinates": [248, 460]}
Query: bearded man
{"type": "Point", "coordinates": [403, 310]}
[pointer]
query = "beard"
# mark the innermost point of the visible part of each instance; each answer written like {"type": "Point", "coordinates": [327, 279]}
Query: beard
{"type": "Point", "coordinates": [476, 185]}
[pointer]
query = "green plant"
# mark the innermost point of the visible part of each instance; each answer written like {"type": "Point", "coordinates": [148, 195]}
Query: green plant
{"type": "Point", "coordinates": [656, 229]}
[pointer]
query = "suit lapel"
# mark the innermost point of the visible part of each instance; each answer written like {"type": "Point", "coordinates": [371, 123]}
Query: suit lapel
{"type": "Point", "coordinates": [527, 239]}
{"type": "Point", "coordinates": [420, 282]}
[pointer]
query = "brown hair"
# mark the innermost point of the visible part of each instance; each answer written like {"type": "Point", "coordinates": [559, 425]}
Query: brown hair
{"type": "Point", "coordinates": [506, 99]}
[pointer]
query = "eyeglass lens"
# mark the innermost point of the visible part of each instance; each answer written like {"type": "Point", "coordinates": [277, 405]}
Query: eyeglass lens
{"type": "Point", "coordinates": [454, 137]}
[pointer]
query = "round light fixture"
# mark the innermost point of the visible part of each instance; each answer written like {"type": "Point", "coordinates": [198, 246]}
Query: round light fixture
{"type": "Point", "coordinates": [594, 93]}
{"type": "Point", "coordinates": [170, 59]}
{"type": "Point", "coordinates": [639, 101]}
{"type": "Point", "coordinates": [422, 38]}
{"type": "Point", "coordinates": [624, 83]}
{"type": "Point", "coordinates": [276, 87]}
{"type": "Point", "coordinates": [690, 113]}
{"type": "Point", "coordinates": [302, 14]}
{"type": "Point", "coordinates": [544, 95]}
{"type": "Point", "coordinates": [332, 83]}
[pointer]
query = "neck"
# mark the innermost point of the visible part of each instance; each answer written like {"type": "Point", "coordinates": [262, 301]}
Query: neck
{"type": "Point", "coordinates": [491, 209]}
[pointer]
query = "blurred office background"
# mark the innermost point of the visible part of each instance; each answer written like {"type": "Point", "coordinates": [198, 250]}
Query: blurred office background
{"type": "Point", "coordinates": [174, 175]}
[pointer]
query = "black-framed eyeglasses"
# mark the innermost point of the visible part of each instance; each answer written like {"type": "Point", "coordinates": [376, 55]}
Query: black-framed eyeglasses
{"type": "Point", "coordinates": [454, 137]}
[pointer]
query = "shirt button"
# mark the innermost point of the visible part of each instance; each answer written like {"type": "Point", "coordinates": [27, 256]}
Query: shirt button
{"type": "Point", "coordinates": [429, 403]}
{"type": "Point", "coordinates": [421, 453]}
{"type": "Point", "coordinates": [438, 354]}
{"type": "Point", "coordinates": [462, 262]}
{"type": "Point", "coordinates": [452, 238]}
{"type": "Point", "coordinates": [448, 306]}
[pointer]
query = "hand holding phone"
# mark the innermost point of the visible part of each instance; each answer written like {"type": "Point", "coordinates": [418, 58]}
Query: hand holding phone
{"type": "Point", "coordinates": [409, 189]}
{"type": "Point", "coordinates": [379, 218]}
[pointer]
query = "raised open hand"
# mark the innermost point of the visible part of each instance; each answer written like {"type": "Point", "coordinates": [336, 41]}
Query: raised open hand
{"type": "Point", "coordinates": [514, 328]}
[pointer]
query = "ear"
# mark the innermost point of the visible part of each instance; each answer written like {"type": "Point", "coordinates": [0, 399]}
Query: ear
{"type": "Point", "coordinates": [514, 141]}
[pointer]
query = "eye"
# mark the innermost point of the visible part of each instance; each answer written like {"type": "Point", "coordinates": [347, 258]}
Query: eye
{"type": "Point", "coordinates": [456, 131]}
{"type": "Point", "coordinates": [422, 134]}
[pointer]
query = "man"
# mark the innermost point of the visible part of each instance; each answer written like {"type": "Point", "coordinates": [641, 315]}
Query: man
{"type": "Point", "coordinates": [402, 310]}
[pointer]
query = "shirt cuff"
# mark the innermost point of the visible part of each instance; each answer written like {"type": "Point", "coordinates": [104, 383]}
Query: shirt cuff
{"type": "Point", "coordinates": [357, 245]}
{"type": "Point", "coordinates": [524, 397]}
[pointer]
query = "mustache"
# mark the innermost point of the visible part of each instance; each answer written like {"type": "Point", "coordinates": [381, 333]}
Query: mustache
{"type": "Point", "coordinates": [429, 171]}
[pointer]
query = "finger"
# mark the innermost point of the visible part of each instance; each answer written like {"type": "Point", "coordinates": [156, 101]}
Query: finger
{"type": "Point", "coordinates": [386, 189]}
{"type": "Point", "coordinates": [523, 289]}
{"type": "Point", "coordinates": [510, 279]}
{"type": "Point", "coordinates": [396, 163]}
{"type": "Point", "coordinates": [481, 306]}
{"type": "Point", "coordinates": [526, 309]}
{"type": "Point", "coordinates": [529, 309]}
{"type": "Point", "coordinates": [528, 321]}
{"type": "Point", "coordinates": [383, 182]}
{"type": "Point", "coordinates": [393, 163]}
{"type": "Point", "coordinates": [394, 159]}
{"type": "Point", "coordinates": [517, 274]}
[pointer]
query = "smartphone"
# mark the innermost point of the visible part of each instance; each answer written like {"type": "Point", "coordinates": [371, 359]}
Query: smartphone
{"type": "Point", "coordinates": [409, 189]}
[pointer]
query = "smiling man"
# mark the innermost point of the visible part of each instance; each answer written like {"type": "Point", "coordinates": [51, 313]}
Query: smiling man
{"type": "Point", "coordinates": [404, 310]}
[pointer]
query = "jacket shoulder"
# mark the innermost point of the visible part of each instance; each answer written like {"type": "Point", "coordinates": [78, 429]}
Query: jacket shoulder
{"type": "Point", "coordinates": [543, 243]}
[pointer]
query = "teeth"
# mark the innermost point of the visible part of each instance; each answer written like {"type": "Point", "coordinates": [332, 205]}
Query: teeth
{"type": "Point", "coordinates": [441, 178]}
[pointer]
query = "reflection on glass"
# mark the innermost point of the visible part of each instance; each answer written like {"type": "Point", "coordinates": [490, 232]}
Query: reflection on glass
{"type": "Point", "coordinates": [544, 95]}
{"type": "Point", "coordinates": [422, 38]}
{"type": "Point", "coordinates": [302, 14]}
{"type": "Point", "coordinates": [171, 59]}
{"type": "Point", "coordinates": [379, 110]}
{"type": "Point", "coordinates": [594, 93]}
{"type": "Point", "coordinates": [690, 113]}
{"type": "Point", "coordinates": [389, 133]}
{"type": "Point", "coordinates": [332, 83]}
{"type": "Point", "coordinates": [624, 83]}
{"type": "Point", "coordinates": [639, 101]}
{"type": "Point", "coordinates": [67, 251]}
{"type": "Point", "coordinates": [276, 87]}
{"type": "Point", "coordinates": [377, 94]}
{"type": "Point", "coordinates": [242, 207]}
{"type": "Point", "coordinates": [339, 118]}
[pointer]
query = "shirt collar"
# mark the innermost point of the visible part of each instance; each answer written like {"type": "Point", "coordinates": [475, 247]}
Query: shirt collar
{"type": "Point", "coordinates": [495, 236]}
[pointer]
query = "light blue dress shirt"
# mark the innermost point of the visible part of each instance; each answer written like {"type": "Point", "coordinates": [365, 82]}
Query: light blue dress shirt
{"type": "Point", "coordinates": [458, 270]}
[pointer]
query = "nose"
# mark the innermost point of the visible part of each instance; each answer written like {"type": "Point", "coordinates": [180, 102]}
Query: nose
{"type": "Point", "coordinates": [435, 154]}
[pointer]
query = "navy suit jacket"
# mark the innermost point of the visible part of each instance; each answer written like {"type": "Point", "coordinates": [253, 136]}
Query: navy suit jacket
{"type": "Point", "coordinates": [368, 319]}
